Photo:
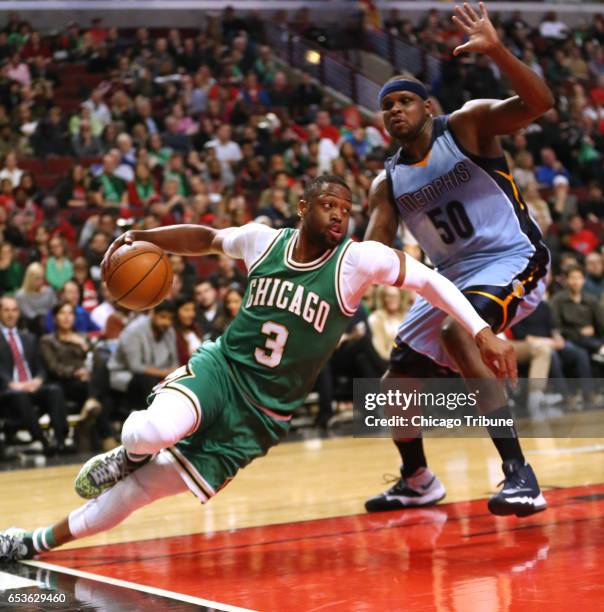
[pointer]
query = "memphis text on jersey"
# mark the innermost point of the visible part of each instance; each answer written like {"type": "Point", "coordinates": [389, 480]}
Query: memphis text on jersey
{"type": "Point", "coordinates": [285, 295]}
{"type": "Point", "coordinates": [416, 200]}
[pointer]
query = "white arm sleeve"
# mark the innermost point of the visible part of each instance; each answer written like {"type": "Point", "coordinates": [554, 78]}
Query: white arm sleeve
{"type": "Point", "coordinates": [371, 263]}
{"type": "Point", "coordinates": [443, 294]}
{"type": "Point", "coordinates": [248, 242]}
{"type": "Point", "coordinates": [364, 264]}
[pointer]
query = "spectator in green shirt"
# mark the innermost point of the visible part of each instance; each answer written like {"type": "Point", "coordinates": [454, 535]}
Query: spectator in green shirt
{"type": "Point", "coordinates": [11, 271]}
{"type": "Point", "coordinates": [158, 153]}
{"type": "Point", "coordinates": [175, 171]}
{"type": "Point", "coordinates": [265, 66]}
{"type": "Point", "coordinates": [59, 268]}
{"type": "Point", "coordinates": [111, 190]}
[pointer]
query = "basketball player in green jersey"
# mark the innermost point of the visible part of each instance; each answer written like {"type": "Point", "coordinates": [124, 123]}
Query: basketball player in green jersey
{"type": "Point", "coordinates": [235, 397]}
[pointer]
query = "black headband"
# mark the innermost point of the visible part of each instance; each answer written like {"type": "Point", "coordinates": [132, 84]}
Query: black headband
{"type": "Point", "coordinates": [402, 85]}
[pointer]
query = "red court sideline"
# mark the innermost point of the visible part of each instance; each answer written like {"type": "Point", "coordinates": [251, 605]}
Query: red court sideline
{"type": "Point", "coordinates": [451, 557]}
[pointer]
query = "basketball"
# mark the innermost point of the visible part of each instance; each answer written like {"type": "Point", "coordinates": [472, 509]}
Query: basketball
{"type": "Point", "coordinates": [139, 275]}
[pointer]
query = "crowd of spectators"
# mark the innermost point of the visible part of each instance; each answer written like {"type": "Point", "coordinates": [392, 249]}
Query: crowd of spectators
{"type": "Point", "coordinates": [187, 126]}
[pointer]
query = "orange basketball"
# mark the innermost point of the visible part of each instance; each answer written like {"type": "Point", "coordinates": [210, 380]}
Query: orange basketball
{"type": "Point", "coordinates": [139, 275]}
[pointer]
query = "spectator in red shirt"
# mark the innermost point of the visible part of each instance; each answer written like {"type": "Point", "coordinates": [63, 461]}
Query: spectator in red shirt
{"type": "Point", "coordinates": [143, 189]}
{"type": "Point", "coordinates": [26, 214]}
{"type": "Point", "coordinates": [7, 200]}
{"type": "Point", "coordinates": [81, 275]}
{"type": "Point", "coordinates": [326, 129]}
{"type": "Point", "coordinates": [597, 93]}
{"type": "Point", "coordinates": [579, 238]}
{"type": "Point", "coordinates": [97, 33]}
{"type": "Point", "coordinates": [35, 47]}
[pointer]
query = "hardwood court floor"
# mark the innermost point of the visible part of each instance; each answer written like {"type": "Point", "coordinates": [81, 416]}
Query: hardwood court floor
{"type": "Point", "coordinates": [290, 532]}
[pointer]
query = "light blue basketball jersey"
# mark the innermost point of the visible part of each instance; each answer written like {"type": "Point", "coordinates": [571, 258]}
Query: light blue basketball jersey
{"type": "Point", "coordinates": [463, 210]}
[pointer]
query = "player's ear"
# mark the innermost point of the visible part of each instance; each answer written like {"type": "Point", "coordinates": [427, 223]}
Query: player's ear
{"type": "Point", "coordinates": [302, 208]}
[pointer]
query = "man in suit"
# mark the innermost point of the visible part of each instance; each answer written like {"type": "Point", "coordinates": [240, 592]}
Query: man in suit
{"type": "Point", "coordinates": [22, 379]}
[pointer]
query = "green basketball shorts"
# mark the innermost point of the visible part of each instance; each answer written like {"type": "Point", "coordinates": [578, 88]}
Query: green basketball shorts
{"type": "Point", "coordinates": [231, 431]}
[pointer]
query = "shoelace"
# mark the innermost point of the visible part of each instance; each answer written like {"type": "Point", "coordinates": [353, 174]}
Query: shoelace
{"type": "Point", "coordinates": [514, 480]}
{"type": "Point", "coordinates": [397, 479]}
{"type": "Point", "coordinates": [388, 478]}
{"type": "Point", "coordinates": [110, 469]}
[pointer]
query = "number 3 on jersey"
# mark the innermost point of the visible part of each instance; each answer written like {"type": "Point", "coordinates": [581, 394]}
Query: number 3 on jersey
{"type": "Point", "coordinates": [270, 355]}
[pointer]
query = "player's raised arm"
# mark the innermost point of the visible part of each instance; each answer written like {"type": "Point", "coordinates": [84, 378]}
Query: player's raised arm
{"type": "Point", "coordinates": [383, 220]}
{"type": "Point", "coordinates": [494, 117]}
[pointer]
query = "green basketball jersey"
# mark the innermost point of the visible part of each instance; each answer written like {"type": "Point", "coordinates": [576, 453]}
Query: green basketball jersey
{"type": "Point", "coordinates": [288, 325]}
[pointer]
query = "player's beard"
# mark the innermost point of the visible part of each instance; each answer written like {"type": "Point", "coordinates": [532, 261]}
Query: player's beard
{"type": "Point", "coordinates": [414, 135]}
{"type": "Point", "coordinates": [321, 239]}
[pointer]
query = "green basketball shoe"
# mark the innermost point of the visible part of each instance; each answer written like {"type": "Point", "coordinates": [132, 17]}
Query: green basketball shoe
{"type": "Point", "coordinates": [104, 471]}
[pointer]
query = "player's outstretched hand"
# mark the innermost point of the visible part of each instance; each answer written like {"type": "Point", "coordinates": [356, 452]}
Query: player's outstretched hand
{"type": "Point", "coordinates": [498, 355]}
{"type": "Point", "coordinates": [482, 36]}
{"type": "Point", "coordinates": [125, 238]}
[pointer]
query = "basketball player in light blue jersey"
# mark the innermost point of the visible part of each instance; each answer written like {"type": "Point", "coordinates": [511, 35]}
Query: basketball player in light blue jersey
{"type": "Point", "coordinates": [450, 184]}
